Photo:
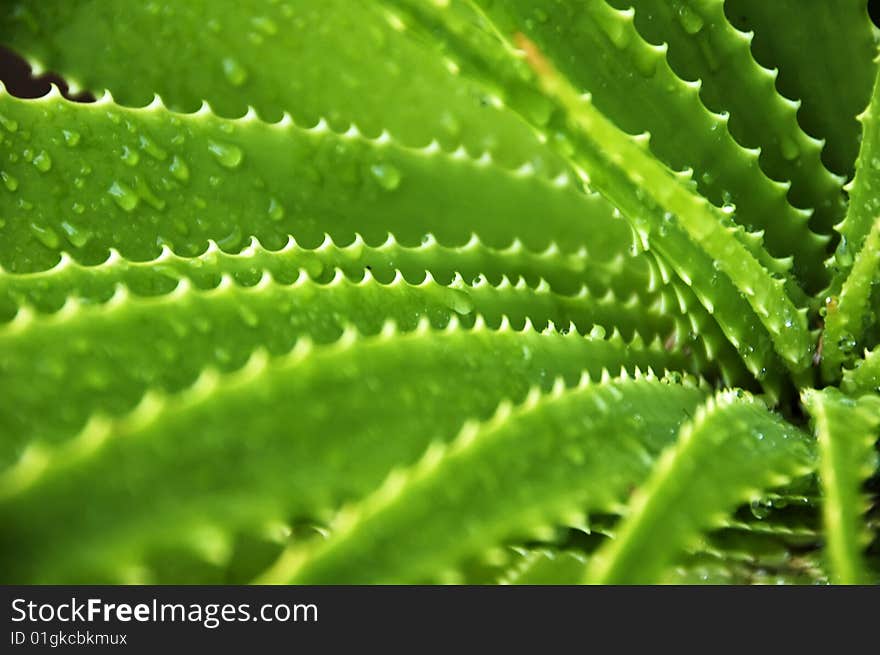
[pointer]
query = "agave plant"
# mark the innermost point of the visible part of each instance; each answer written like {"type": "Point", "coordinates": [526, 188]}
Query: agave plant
{"type": "Point", "coordinates": [373, 291]}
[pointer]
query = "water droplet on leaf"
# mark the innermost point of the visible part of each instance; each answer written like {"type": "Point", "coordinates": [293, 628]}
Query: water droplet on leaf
{"type": "Point", "coordinates": [690, 21]}
{"type": "Point", "coordinates": [179, 169]}
{"type": "Point", "coordinates": [8, 181]}
{"type": "Point", "coordinates": [235, 73]}
{"type": "Point", "coordinates": [43, 162]}
{"type": "Point", "coordinates": [124, 196]}
{"type": "Point", "coordinates": [387, 175]}
{"type": "Point", "coordinates": [45, 235]}
{"type": "Point", "coordinates": [276, 210]}
{"type": "Point", "coordinates": [77, 236]}
{"type": "Point", "coordinates": [71, 137]}
{"type": "Point", "coordinates": [227, 155]}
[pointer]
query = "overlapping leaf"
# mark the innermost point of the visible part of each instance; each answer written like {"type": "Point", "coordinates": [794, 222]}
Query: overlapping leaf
{"type": "Point", "coordinates": [224, 324]}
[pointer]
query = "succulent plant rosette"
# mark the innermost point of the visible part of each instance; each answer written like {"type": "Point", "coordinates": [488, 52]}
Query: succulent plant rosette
{"type": "Point", "coordinates": [441, 291]}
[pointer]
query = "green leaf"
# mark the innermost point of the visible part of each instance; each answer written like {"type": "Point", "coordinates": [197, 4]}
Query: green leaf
{"type": "Point", "coordinates": [683, 133]}
{"type": "Point", "coordinates": [864, 378]}
{"type": "Point", "coordinates": [545, 462]}
{"type": "Point", "coordinates": [856, 261]}
{"type": "Point", "coordinates": [824, 52]}
{"type": "Point", "coordinates": [547, 566]}
{"type": "Point", "coordinates": [301, 246]}
{"type": "Point", "coordinates": [688, 231]}
{"type": "Point", "coordinates": [846, 431]}
{"type": "Point", "coordinates": [340, 60]}
{"type": "Point", "coordinates": [167, 340]}
{"type": "Point", "coordinates": [318, 423]}
{"type": "Point", "coordinates": [729, 452]}
{"type": "Point", "coordinates": [135, 179]}
{"type": "Point", "coordinates": [703, 46]}
{"type": "Point", "coordinates": [849, 316]}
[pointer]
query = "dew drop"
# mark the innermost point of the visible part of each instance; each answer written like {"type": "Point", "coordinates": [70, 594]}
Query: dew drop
{"type": "Point", "coordinates": [78, 208]}
{"type": "Point", "coordinates": [843, 254]}
{"type": "Point", "coordinates": [150, 147]}
{"type": "Point", "coordinates": [235, 73]}
{"type": "Point", "coordinates": [77, 236]}
{"type": "Point", "coordinates": [124, 196]}
{"type": "Point", "coordinates": [228, 156]}
{"type": "Point", "coordinates": [847, 343]}
{"type": "Point", "coordinates": [265, 25]}
{"type": "Point", "coordinates": [179, 169]}
{"type": "Point", "coordinates": [146, 193]}
{"type": "Point", "coordinates": [690, 20]}
{"type": "Point", "coordinates": [248, 316]}
{"type": "Point", "coordinates": [759, 510]}
{"type": "Point", "coordinates": [387, 175]}
{"type": "Point", "coordinates": [42, 162]}
{"type": "Point", "coordinates": [71, 137]}
{"type": "Point", "coordinates": [45, 235]}
{"type": "Point", "coordinates": [231, 240]}
{"type": "Point", "coordinates": [450, 124]}
{"type": "Point", "coordinates": [8, 181]}
{"type": "Point", "coordinates": [276, 210]}
{"type": "Point", "coordinates": [8, 124]}
{"type": "Point", "coordinates": [460, 302]}
{"type": "Point", "coordinates": [130, 156]}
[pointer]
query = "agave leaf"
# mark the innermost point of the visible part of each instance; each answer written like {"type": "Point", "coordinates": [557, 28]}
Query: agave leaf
{"type": "Point", "coordinates": [181, 179]}
{"type": "Point", "coordinates": [545, 567]}
{"type": "Point", "coordinates": [302, 456]}
{"type": "Point", "coordinates": [732, 449]}
{"type": "Point", "coordinates": [846, 431]}
{"type": "Point", "coordinates": [568, 274]}
{"type": "Point", "coordinates": [626, 283]}
{"type": "Point", "coordinates": [703, 46]}
{"type": "Point", "coordinates": [305, 244]}
{"type": "Point", "coordinates": [548, 566]}
{"type": "Point", "coordinates": [600, 51]}
{"type": "Point", "coordinates": [275, 58]}
{"type": "Point", "coordinates": [167, 340]}
{"type": "Point", "coordinates": [849, 315]}
{"type": "Point", "coordinates": [864, 377]}
{"type": "Point", "coordinates": [824, 55]}
{"type": "Point", "coordinates": [856, 261]}
{"type": "Point", "coordinates": [683, 227]}
{"type": "Point", "coordinates": [716, 569]}
{"type": "Point", "coordinates": [169, 188]}
{"type": "Point", "coordinates": [548, 461]}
